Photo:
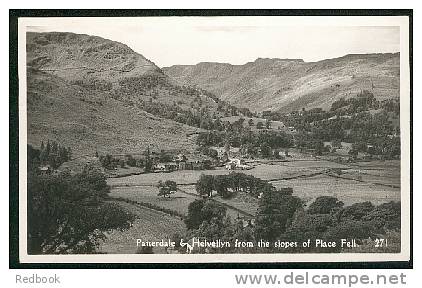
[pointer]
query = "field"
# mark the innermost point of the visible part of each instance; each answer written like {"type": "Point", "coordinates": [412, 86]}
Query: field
{"type": "Point", "coordinates": [181, 177]}
{"type": "Point", "coordinates": [178, 202]}
{"type": "Point", "coordinates": [265, 170]}
{"type": "Point", "coordinates": [151, 225]}
{"type": "Point", "coordinates": [376, 181]}
{"type": "Point", "coordinates": [348, 191]}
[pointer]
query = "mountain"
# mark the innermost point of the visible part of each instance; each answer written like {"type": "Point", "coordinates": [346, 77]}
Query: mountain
{"type": "Point", "coordinates": [93, 94]}
{"type": "Point", "coordinates": [291, 84]}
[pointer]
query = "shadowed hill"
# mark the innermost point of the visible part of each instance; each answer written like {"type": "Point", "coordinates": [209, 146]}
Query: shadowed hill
{"type": "Point", "coordinates": [92, 94]}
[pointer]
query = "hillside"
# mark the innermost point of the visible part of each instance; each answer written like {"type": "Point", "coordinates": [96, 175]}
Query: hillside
{"type": "Point", "coordinates": [89, 122]}
{"type": "Point", "coordinates": [92, 94]}
{"type": "Point", "coordinates": [290, 84]}
{"type": "Point", "coordinates": [103, 65]}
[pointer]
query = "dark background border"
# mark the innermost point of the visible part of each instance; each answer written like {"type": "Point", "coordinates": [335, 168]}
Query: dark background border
{"type": "Point", "coordinates": [14, 136]}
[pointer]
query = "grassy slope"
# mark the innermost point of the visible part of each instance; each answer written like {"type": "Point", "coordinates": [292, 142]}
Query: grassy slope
{"type": "Point", "coordinates": [151, 225]}
{"type": "Point", "coordinates": [290, 85]}
{"type": "Point", "coordinates": [88, 121]}
{"type": "Point", "coordinates": [76, 97]}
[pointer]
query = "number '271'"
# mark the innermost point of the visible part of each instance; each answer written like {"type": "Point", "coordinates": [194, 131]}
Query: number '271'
{"type": "Point", "coordinates": [381, 242]}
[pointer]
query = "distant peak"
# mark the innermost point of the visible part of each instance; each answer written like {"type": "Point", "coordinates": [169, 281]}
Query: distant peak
{"type": "Point", "coordinates": [278, 60]}
{"type": "Point", "coordinates": [370, 55]}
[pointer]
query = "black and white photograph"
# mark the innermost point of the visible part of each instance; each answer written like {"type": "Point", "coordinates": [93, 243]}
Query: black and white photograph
{"type": "Point", "coordinates": [214, 139]}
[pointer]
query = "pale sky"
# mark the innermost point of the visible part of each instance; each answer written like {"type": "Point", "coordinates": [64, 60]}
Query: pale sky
{"type": "Point", "coordinates": [168, 41]}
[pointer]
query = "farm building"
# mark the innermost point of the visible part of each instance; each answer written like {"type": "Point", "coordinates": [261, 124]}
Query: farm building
{"type": "Point", "coordinates": [236, 163]}
{"type": "Point", "coordinates": [180, 158]}
{"type": "Point", "coordinates": [264, 114]}
{"type": "Point", "coordinates": [196, 163]}
{"type": "Point", "coordinates": [165, 167]}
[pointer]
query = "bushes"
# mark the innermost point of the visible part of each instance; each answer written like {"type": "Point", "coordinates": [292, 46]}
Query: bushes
{"type": "Point", "coordinates": [385, 216]}
{"type": "Point", "coordinates": [281, 216]}
{"type": "Point", "coordinates": [237, 138]}
{"type": "Point", "coordinates": [93, 84]}
{"type": "Point", "coordinates": [52, 154]}
{"type": "Point", "coordinates": [357, 211]}
{"type": "Point", "coordinates": [276, 210]}
{"type": "Point", "coordinates": [200, 211]}
{"type": "Point", "coordinates": [324, 205]}
{"type": "Point", "coordinates": [68, 214]}
{"type": "Point", "coordinates": [109, 162]}
{"type": "Point", "coordinates": [205, 185]}
{"type": "Point", "coordinates": [350, 230]}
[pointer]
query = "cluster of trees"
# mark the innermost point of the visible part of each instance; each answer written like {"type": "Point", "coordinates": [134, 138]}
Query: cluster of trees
{"type": "Point", "coordinates": [68, 213]}
{"type": "Point", "coordinates": [93, 84]}
{"type": "Point", "coordinates": [327, 218]}
{"type": "Point", "coordinates": [364, 101]}
{"type": "Point", "coordinates": [227, 186]}
{"type": "Point", "coordinates": [282, 216]}
{"type": "Point", "coordinates": [197, 115]}
{"type": "Point", "coordinates": [371, 125]}
{"type": "Point", "coordinates": [109, 162]}
{"type": "Point", "coordinates": [252, 143]}
{"type": "Point", "coordinates": [166, 188]}
{"type": "Point", "coordinates": [240, 126]}
{"type": "Point", "coordinates": [207, 219]}
{"type": "Point", "coordinates": [310, 142]}
{"type": "Point", "coordinates": [143, 83]}
{"type": "Point", "coordinates": [146, 161]}
{"type": "Point", "coordinates": [276, 210]}
{"type": "Point", "coordinates": [52, 154]}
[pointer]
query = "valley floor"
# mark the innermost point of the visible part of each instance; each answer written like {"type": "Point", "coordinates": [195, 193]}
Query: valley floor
{"type": "Point", "coordinates": [160, 218]}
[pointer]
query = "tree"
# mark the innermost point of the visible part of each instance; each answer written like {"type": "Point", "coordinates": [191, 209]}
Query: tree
{"type": "Point", "coordinates": [148, 161]}
{"type": "Point", "coordinates": [385, 216]}
{"type": "Point", "coordinates": [276, 210]}
{"type": "Point", "coordinates": [164, 157]}
{"type": "Point", "coordinates": [122, 163]}
{"type": "Point", "coordinates": [265, 150]}
{"type": "Point", "coordinates": [268, 124]}
{"type": "Point", "coordinates": [250, 122]}
{"type": "Point", "coordinates": [204, 210]}
{"type": "Point", "coordinates": [351, 229]}
{"type": "Point", "coordinates": [68, 214]}
{"type": "Point", "coordinates": [357, 210]}
{"type": "Point", "coordinates": [130, 160]}
{"type": "Point", "coordinates": [324, 205]}
{"type": "Point", "coordinates": [167, 188]}
{"type": "Point", "coordinates": [33, 158]}
{"type": "Point", "coordinates": [204, 185]}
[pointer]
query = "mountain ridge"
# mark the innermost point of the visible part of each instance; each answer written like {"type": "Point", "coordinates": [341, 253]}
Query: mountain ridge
{"type": "Point", "coordinates": [278, 84]}
{"type": "Point", "coordinates": [81, 93]}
